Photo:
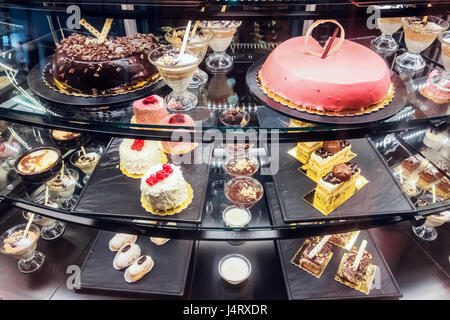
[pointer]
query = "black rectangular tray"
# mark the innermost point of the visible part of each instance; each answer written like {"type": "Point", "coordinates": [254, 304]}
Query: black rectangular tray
{"type": "Point", "coordinates": [168, 276]}
{"type": "Point", "coordinates": [381, 196]}
{"type": "Point", "coordinates": [110, 193]}
{"type": "Point", "coordinates": [302, 285]}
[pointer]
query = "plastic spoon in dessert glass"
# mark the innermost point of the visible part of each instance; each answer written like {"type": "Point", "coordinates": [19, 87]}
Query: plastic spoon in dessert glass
{"type": "Point", "coordinates": [199, 39]}
{"type": "Point", "coordinates": [86, 160]}
{"type": "Point", "coordinates": [177, 66]}
{"type": "Point", "coordinates": [63, 186]}
{"type": "Point", "coordinates": [420, 32]}
{"type": "Point", "coordinates": [51, 229]}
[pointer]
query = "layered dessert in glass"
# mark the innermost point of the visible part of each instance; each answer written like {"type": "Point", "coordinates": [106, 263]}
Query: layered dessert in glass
{"type": "Point", "coordinates": [437, 87]}
{"type": "Point", "coordinates": [243, 192]}
{"type": "Point", "coordinates": [200, 39]}
{"type": "Point", "coordinates": [419, 35]}
{"type": "Point", "coordinates": [177, 71]}
{"type": "Point", "coordinates": [86, 162]}
{"type": "Point", "coordinates": [243, 165]}
{"type": "Point", "coordinates": [385, 43]}
{"type": "Point", "coordinates": [51, 229]}
{"type": "Point", "coordinates": [223, 35]}
{"type": "Point", "coordinates": [14, 243]}
{"type": "Point", "coordinates": [63, 186]}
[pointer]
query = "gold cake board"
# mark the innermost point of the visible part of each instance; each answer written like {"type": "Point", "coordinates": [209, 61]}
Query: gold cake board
{"type": "Point", "coordinates": [363, 286]}
{"type": "Point", "coordinates": [300, 251]}
{"type": "Point", "coordinates": [183, 206]}
{"type": "Point", "coordinates": [293, 153]}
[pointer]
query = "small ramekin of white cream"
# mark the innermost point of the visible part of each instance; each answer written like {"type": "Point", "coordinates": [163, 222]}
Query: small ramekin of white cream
{"type": "Point", "coordinates": [235, 217]}
{"type": "Point", "coordinates": [235, 268]}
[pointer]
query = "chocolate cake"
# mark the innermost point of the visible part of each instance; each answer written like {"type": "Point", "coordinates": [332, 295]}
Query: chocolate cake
{"type": "Point", "coordinates": [84, 65]}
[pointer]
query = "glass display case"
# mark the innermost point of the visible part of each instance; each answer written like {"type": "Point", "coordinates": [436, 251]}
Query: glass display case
{"type": "Point", "coordinates": [202, 141]}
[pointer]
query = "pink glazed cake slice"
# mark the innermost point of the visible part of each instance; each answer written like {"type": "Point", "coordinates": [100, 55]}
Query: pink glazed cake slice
{"type": "Point", "coordinates": [150, 110]}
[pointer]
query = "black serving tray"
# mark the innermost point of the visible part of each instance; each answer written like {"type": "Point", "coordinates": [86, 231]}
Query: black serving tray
{"type": "Point", "coordinates": [302, 285]}
{"type": "Point", "coordinates": [168, 276]}
{"type": "Point", "coordinates": [110, 193]}
{"type": "Point", "coordinates": [381, 196]}
{"type": "Point", "coordinates": [397, 103]}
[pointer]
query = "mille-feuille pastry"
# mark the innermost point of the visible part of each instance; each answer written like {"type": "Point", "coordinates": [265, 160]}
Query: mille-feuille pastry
{"type": "Point", "coordinates": [344, 240]}
{"type": "Point", "coordinates": [126, 256]}
{"type": "Point", "coordinates": [305, 149]}
{"type": "Point", "coordinates": [336, 187]}
{"type": "Point", "coordinates": [161, 241]}
{"type": "Point", "coordinates": [429, 176]}
{"type": "Point", "coordinates": [359, 277]}
{"type": "Point", "coordinates": [314, 255]}
{"type": "Point", "coordinates": [443, 189]}
{"type": "Point", "coordinates": [138, 269]}
{"type": "Point", "coordinates": [324, 158]}
{"type": "Point", "coordinates": [121, 239]}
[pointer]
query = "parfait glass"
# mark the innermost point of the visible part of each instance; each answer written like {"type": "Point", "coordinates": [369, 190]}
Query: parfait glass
{"type": "Point", "coordinates": [223, 35]}
{"type": "Point", "coordinates": [86, 163]}
{"type": "Point", "coordinates": [51, 229]}
{"type": "Point", "coordinates": [63, 187]}
{"type": "Point", "coordinates": [427, 231]}
{"type": "Point", "coordinates": [419, 35]}
{"type": "Point", "coordinates": [385, 43]}
{"type": "Point", "coordinates": [177, 71]}
{"type": "Point", "coordinates": [442, 79]}
{"type": "Point", "coordinates": [24, 250]}
{"type": "Point", "coordinates": [199, 40]}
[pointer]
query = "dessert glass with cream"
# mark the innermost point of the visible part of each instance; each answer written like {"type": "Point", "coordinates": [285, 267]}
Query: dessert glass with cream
{"type": "Point", "coordinates": [13, 243]}
{"type": "Point", "coordinates": [235, 268]}
{"type": "Point", "coordinates": [441, 79]}
{"type": "Point", "coordinates": [236, 217]}
{"type": "Point", "coordinates": [419, 35]}
{"type": "Point", "coordinates": [385, 43]}
{"type": "Point", "coordinates": [177, 71]}
{"type": "Point", "coordinates": [63, 186]}
{"type": "Point", "coordinates": [200, 39]}
{"type": "Point", "coordinates": [50, 228]}
{"type": "Point", "coordinates": [88, 162]}
{"type": "Point", "coordinates": [223, 35]}
{"type": "Point", "coordinates": [243, 192]}
{"type": "Point", "coordinates": [241, 165]}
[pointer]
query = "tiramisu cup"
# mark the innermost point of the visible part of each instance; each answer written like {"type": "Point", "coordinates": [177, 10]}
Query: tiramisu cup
{"type": "Point", "coordinates": [14, 242]}
{"type": "Point", "coordinates": [177, 70]}
{"type": "Point", "coordinates": [63, 186]}
{"type": "Point", "coordinates": [86, 162]}
{"type": "Point", "coordinates": [419, 35]}
{"type": "Point", "coordinates": [437, 86]}
{"type": "Point", "coordinates": [223, 35]}
{"type": "Point", "coordinates": [200, 39]}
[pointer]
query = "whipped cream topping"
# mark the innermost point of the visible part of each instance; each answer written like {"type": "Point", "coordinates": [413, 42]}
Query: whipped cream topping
{"type": "Point", "coordinates": [234, 269]}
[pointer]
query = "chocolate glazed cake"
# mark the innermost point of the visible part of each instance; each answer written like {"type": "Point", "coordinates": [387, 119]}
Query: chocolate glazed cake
{"type": "Point", "coordinates": [83, 65]}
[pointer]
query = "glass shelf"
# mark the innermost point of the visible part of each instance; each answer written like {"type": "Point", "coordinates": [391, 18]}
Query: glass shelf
{"type": "Point", "coordinates": [223, 91]}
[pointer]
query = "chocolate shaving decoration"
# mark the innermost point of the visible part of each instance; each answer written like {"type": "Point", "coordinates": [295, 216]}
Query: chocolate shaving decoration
{"type": "Point", "coordinates": [333, 146]}
{"type": "Point", "coordinates": [342, 171]}
{"type": "Point", "coordinates": [330, 43]}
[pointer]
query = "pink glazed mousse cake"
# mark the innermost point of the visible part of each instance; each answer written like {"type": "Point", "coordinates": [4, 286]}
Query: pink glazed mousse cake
{"type": "Point", "coordinates": [178, 119]}
{"type": "Point", "coordinates": [150, 110]}
{"type": "Point", "coordinates": [352, 78]}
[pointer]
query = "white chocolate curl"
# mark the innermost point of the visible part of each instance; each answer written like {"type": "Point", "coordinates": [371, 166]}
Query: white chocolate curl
{"type": "Point", "coordinates": [334, 48]}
